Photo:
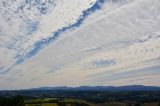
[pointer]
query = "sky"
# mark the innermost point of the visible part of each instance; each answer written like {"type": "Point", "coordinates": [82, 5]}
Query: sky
{"type": "Point", "coordinates": [80, 42]}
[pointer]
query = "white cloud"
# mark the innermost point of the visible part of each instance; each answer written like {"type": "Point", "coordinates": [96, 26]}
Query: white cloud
{"type": "Point", "coordinates": [120, 38]}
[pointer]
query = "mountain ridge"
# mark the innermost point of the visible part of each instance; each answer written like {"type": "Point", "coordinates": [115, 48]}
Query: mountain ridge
{"type": "Point", "coordinates": [102, 88]}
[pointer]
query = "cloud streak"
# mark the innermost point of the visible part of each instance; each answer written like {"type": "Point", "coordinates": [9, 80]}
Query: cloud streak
{"type": "Point", "coordinates": [104, 47]}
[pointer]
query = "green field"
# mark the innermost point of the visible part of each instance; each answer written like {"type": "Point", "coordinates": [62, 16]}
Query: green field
{"type": "Point", "coordinates": [56, 102]}
{"type": "Point", "coordinates": [78, 102]}
{"type": "Point", "coordinates": [81, 98]}
{"type": "Point", "coordinates": [41, 100]}
{"type": "Point", "coordinates": [42, 104]}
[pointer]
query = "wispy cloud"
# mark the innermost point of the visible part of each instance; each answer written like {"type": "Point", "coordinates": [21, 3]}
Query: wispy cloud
{"type": "Point", "coordinates": [118, 44]}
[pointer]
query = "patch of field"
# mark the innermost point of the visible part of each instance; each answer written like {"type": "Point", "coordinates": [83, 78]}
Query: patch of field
{"type": "Point", "coordinates": [40, 100]}
{"type": "Point", "coordinates": [79, 102]}
{"type": "Point", "coordinates": [43, 104]}
{"type": "Point", "coordinates": [150, 104]}
{"type": "Point", "coordinates": [74, 102]}
{"type": "Point", "coordinates": [115, 104]}
{"type": "Point", "coordinates": [56, 102]}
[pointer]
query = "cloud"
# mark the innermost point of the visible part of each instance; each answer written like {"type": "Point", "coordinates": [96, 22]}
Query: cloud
{"type": "Point", "coordinates": [31, 25]}
{"type": "Point", "coordinates": [119, 40]}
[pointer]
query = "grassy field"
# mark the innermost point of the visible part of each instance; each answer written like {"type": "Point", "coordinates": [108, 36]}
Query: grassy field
{"type": "Point", "coordinates": [42, 104]}
{"type": "Point", "coordinates": [56, 102]}
{"type": "Point", "coordinates": [81, 98]}
{"type": "Point", "coordinates": [150, 104]}
{"type": "Point", "coordinates": [40, 100]}
{"type": "Point", "coordinates": [78, 102]}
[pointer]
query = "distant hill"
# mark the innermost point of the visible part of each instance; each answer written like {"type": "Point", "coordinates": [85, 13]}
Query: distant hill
{"type": "Point", "coordinates": [82, 91]}
{"type": "Point", "coordinates": [102, 88]}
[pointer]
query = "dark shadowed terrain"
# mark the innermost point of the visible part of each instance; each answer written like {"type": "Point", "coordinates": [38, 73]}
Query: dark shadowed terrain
{"type": "Point", "coordinates": [83, 96]}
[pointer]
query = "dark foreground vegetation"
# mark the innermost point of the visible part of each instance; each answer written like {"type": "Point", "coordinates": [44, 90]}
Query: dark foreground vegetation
{"type": "Point", "coordinates": [12, 101]}
{"type": "Point", "coordinates": [79, 98]}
